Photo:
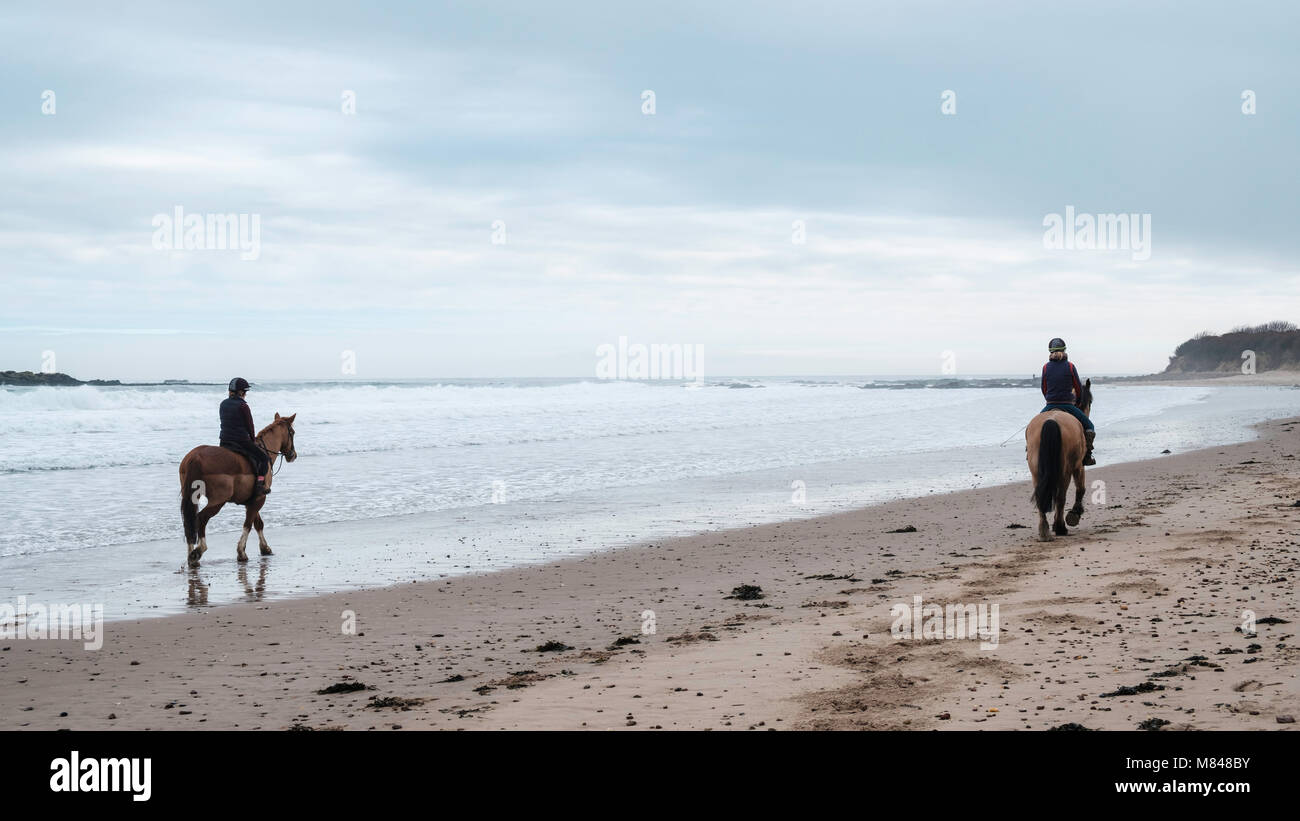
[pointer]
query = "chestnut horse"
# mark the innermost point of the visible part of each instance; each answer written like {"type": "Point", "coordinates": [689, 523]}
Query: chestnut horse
{"type": "Point", "coordinates": [223, 475]}
{"type": "Point", "coordinates": [1055, 447]}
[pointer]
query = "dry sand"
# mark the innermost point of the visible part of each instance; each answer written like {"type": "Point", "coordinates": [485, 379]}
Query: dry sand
{"type": "Point", "coordinates": [1230, 379]}
{"type": "Point", "coordinates": [1150, 588]}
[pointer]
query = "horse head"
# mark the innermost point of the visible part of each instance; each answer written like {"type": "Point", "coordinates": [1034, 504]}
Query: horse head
{"type": "Point", "coordinates": [282, 437]}
{"type": "Point", "coordinates": [1085, 401]}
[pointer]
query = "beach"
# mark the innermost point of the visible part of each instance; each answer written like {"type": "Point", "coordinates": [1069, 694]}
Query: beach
{"type": "Point", "coordinates": [1149, 593]}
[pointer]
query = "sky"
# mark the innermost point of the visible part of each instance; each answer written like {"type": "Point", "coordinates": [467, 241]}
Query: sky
{"type": "Point", "coordinates": [480, 190]}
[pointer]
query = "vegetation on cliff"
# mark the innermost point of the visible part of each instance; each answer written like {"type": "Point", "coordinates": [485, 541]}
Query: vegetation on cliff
{"type": "Point", "coordinates": [1275, 345]}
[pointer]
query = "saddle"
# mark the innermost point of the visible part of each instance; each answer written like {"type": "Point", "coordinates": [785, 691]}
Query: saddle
{"type": "Point", "coordinates": [246, 449]}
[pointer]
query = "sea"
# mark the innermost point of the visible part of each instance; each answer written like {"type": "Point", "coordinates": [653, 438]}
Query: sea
{"type": "Point", "coordinates": [403, 481]}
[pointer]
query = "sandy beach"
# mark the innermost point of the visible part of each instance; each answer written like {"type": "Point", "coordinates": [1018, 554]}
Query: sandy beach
{"type": "Point", "coordinates": [1147, 594]}
{"type": "Point", "coordinates": [1281, 378]}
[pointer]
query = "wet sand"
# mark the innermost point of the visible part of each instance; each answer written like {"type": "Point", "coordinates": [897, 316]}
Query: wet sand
{"type": "Point", "coordinates": [1148, 593]}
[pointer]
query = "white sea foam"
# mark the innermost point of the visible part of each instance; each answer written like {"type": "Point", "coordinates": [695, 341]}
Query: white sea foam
{"type": "Point", "coordinates": [93, 466]}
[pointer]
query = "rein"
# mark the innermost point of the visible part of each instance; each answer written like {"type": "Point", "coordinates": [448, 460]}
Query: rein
{"type": "Point", "coordinates": [278, 458]}
{"type": "Point", "coordinates": [1022, 427]}
{"type": "Point", "coordinates": [1009, 438]}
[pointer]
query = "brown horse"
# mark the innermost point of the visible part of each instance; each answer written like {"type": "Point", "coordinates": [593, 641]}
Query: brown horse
{"type": "Point", "coordinates": [1055, 447]}
{"type": "Point", "coordinates": [224, 476]}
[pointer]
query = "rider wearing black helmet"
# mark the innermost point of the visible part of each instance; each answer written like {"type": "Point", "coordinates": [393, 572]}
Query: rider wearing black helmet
{"type": "Point", "coordinates": [1062, 389]}
{"type": "Point", "coordinates": [239, 434]}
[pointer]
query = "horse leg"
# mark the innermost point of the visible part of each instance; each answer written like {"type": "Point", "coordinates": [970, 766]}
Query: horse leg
{"type": "Point", "coordinates": [1072, 518]}
{"type": "Point", "coordinates": [249, 515]}
{"type": "Point", "coordinates": [210, 510]}
{"type": "Point", "coordinates": [255, 517]}
{"type": "Point", "coordinates": [1043, 534]}
{"type": "Point", "coordinates": [261, 538]}
{"type": "Point", "coordinates": [1058, 524]}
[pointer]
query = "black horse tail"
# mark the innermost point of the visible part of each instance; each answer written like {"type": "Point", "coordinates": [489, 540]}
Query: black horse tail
{"type": "Point", "coordinates": [190, 509]}
{"type": "Point", "coordinates": [1049, 466]}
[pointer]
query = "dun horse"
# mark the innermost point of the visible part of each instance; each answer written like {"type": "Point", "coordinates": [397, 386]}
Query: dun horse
{"type": "Point", "coordinates": [224, 476]}
{"type": "Point", "coordinates": [1054, 447]}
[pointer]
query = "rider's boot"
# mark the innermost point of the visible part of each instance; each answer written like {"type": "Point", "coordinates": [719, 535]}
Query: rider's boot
{"type": "Point", "coordinates": [1087, 457]}
{"type": "Point", "coordinates": [260, 488]}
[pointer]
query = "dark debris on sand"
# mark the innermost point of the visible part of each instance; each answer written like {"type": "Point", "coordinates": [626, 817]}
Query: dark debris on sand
{"type": "Point", "coordinates": [519, 679]}
{"type": "Point", "coordinates": [378, 703]}
{"type": "Point", "coordinates": [1071, 727]}
{"type": "Point", "coordinates": [691, 638]}
{"type": "Point", "coordinates": [746, 592]}
{"type": "Point", "coordinates": [342, 687]}
{"type": "Point", "coordinates": [1144, 687]}
{"type": "Point", "coordinates": [553, 647]}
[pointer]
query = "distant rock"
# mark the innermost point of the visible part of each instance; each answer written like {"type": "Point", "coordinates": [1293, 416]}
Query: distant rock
{"type": "Point", "coordinates": [28, 378]}
{"type": "Point", "coordinates": [62, 380]}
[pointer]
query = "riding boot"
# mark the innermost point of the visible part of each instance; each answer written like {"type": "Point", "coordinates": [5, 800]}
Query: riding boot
{"type": "Point", "coordinates": [260, 488]}
{"type": "Point", "coordinates": [1087, 457]}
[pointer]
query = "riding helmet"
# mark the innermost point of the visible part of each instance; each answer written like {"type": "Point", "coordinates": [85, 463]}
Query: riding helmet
{"type": "Point", "coordinates": [1057, 344]}
{"type": "Point", "coordinates": [239, 383]}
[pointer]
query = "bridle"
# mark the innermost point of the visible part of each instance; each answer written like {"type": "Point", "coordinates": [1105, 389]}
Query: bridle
{"type": "Point", "coordinates": [281, 452]}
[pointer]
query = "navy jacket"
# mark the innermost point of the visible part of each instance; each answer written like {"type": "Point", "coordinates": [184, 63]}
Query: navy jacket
{"type": "Point", "coordinates": [1061, 384]}
{"type": "Point", "coordinates": [236, 421]}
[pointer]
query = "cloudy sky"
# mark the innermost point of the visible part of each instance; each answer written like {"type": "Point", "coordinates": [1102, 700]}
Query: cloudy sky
{"type": "Point", "coordinates": [923, 231]}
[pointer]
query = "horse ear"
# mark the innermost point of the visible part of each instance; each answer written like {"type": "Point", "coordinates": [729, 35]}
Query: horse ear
{"type": "Point", "coordinates": [1087, 383]}
{"type": "Point", "coordinates": [277, 416]}
{"type": "Point", "coordinates": [291, 418]}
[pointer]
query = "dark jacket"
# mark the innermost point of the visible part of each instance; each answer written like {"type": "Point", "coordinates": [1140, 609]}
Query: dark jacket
{"type": "Point", "coordinates": [236, 421]}
{"type": "Point", "coordinates": [1061, 384]}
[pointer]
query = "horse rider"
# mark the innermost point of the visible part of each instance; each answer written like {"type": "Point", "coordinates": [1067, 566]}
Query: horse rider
{"type": "Point", "coordinates": [1062, 390]}
{"type": "Point", "coordinates": [239, 435]}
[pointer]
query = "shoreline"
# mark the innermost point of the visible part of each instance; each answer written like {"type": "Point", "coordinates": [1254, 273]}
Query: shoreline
{"type": "Point", "coordinates": [1278, 378]}
{"type": "Point", "coordinates": [814, 653]}
{"type": "Point", "coordinates": [139, 579]}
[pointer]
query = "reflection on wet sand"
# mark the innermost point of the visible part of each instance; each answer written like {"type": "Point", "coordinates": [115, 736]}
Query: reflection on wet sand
{"type": "Point", "coordinates": [197, 594]}
{"type": "Point", "coordinates": [254, 593]}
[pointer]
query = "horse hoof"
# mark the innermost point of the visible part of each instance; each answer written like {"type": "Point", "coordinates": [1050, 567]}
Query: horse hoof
{"type": "Point", "coordinates": [194, 558]}
{"type": "Point", "coordinates": [241, 558]}
{"type": "Point", "coordinates": [1060, 530]}
{"type": "Point", "coordinates": [1045, 538]}
{"type": "Point", "coordinates": [266, 551]}
{"type": "Point", "coordinates": [1072, 518]}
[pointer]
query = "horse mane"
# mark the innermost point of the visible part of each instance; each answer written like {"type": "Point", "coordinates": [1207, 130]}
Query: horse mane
{"type": "Point", "coordinates": [267, 429]}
